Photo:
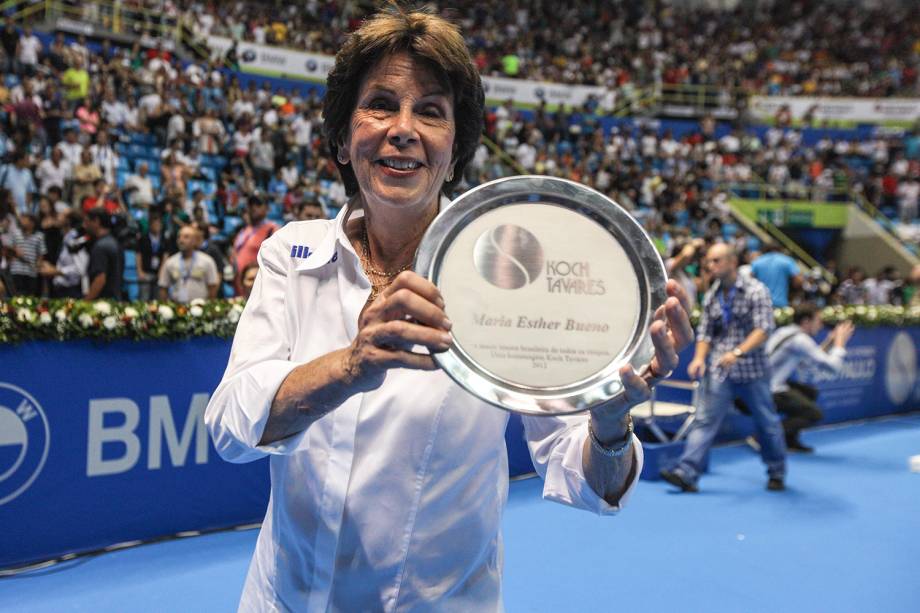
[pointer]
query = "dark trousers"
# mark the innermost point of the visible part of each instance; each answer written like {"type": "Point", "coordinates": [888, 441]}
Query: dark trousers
{"type": "Point", "coordinates": [66, 291]}
{"type": "Point", "coordinates": [27, 286]}
{"type": "Point", "coordinates": [798, 410]}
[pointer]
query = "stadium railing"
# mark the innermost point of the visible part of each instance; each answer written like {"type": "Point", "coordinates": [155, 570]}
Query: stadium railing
{"type": "Point", "coordinates": [701, 98]}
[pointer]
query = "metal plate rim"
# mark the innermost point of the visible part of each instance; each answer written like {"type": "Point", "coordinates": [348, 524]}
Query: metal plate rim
{"type": "Point", "coordinates": [594, 390]}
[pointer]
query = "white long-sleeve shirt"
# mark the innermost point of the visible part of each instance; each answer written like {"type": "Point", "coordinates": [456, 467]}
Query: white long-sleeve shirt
{"type": "Point", "coordinates": [786, 355]}
{"type": "Point", "coordinates": [392, 501]}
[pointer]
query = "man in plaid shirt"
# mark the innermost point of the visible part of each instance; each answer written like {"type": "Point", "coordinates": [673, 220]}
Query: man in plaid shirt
{"type": "Point", "coordinates": [736, 321]}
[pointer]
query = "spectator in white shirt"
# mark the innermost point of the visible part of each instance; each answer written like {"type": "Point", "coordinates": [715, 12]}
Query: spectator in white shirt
{"type": "Point", "coordinates": [71, 148]}
{"type": "Point", "coordinates": [105, 157]}
{"type": "Point", "coordinates": [53, 171]}
{"type": "Point", "coordinates": [175, 127]}
{"type": "Point", "coordinates": [262, 156]}
{"type": "Point", "coordinates": [27, 51]}
{"type": "Point", "coordinates": [176, 150]}
{"type": "Point", "coordinates": [209, 132]}
{"type": "Point", "coordinates": [243, 106]}
{"type": "Point", "coordinates": [114, 111]}
{"type": "Point", "coordinates": [303, 135]}
{"type": "Point", "coordinates": [526, 155]}
{"type": "Point", "coordinates": [788, 348]}
{"type": "Point", "coordinates": [142, 186]}
{"type": "Point", "coordinates": [289, 174]}
{"type": "Point", "coordinates": [242, 140]}
{"type": "Point", "coordinates": [882, 288]}
{"type": "Point", "coordinates": [908, 198]}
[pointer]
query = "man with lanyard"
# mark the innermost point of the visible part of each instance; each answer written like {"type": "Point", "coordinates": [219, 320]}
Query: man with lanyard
{"type": "Point", "coordinates": [247, 242]}
{"type": "Point", "coordinates": [189, 274]}
{"type": "Point", "coordinates": [789, 347]}
{"type": "Point", "coordinates": [736, 320]}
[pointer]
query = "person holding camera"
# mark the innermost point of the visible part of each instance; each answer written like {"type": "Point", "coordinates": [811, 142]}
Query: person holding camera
{"type": "Point", "coordinates": [68, 275]}
{"type": "Point", "coordinates": [683, 257]}
{"type": "Point", "coordinates": [787, 349]}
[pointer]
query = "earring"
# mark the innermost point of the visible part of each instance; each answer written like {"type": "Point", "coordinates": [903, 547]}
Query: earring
{"type": "Point", "coordinates": [450, 175]}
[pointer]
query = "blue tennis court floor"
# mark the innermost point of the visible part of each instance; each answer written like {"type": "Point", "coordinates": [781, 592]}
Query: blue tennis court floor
{"type": "Point", "coordinates": [844, 537]}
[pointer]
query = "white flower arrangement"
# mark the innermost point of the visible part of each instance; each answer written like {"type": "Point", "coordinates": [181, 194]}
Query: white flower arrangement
{"type": "Point", "coordinates": [25, 318]}
{"type": "Point", "coordinates": [165, 312]}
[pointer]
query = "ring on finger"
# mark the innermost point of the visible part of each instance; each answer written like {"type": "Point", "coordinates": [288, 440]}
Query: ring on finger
{"type": "Point", "coordinates": [651, 377]}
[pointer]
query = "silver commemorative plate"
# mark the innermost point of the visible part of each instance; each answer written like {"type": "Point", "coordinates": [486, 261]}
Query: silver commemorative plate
{"type": "Point", "coordinates": [551, 288]}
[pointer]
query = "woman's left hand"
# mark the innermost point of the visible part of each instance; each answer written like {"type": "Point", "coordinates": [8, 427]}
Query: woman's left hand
{"type": "Point", "coordinates": [671, 332]}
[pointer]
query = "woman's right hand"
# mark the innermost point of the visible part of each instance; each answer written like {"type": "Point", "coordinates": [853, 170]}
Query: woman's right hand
{"type": "Point", "coordinates": [407, 313]}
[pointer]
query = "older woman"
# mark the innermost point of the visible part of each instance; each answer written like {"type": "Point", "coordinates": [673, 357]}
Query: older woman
{"type": "Point", "coordinates": [388, 480]}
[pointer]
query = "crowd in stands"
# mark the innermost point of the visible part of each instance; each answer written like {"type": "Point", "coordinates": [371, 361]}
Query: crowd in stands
{"type": "Point", "coordinates": [679, 187]}
{"type": "Point", "coordinates": [788, 47]}
{"type": "Point", "coordinates": [134, 147]}
{"type": "Point", "coordinates": [156, 147]}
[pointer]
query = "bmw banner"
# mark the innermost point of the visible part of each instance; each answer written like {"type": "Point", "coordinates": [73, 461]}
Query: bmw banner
{"type": "Point", "coordinates": [106, 443]}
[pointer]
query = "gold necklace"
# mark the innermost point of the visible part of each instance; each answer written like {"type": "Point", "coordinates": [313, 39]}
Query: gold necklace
{"type": "Point", "coordinates": [386, 275]}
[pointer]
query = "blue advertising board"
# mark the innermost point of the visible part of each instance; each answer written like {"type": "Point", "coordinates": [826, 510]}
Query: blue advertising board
{"type": "Point", "coordinates": [105, 443]}
{"type": "Point", "coordinates": [879, 377]}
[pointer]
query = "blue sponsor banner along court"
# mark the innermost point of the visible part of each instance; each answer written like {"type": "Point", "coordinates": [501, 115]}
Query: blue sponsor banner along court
{"type": "Point", "coordinates": [879, 377]}
{"type": "Point", "coordinates": [105, 443]}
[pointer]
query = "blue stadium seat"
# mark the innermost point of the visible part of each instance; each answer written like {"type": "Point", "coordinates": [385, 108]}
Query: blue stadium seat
{"type": "Point", "coordinates": [130, 275]}
{"type": "Point", "coordinates": [231, 223]}
{"type": "Point", "coordinates": [208, 187]}
{"type": "Point", "coordinates": [217, 162]}
{"type": "Point", "coordinates": [137, 151]}
{"type": "Point", "coordinates": [139, 138]}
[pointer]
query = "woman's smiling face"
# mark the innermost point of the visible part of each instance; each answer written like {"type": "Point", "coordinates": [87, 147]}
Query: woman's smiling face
{"type": "Point", "coordinates": [401, 137]}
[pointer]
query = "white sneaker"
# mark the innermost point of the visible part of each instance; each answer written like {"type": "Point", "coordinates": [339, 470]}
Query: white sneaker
{"type": "Point", "coordinates": [752, 443]}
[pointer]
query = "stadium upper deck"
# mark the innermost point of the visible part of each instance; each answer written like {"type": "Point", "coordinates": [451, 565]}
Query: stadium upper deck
{"type": "Point", "coordinates": [788, 47]}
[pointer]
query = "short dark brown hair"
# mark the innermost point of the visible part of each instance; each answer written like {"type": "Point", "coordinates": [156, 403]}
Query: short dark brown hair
{"type": "Point", "coordinates": [427, 38]}
{"type": "Point", "coordinates": [803, 311]}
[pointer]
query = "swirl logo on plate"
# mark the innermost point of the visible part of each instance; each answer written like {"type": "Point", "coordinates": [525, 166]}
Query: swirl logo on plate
{"type": "Point", "coordinates": [508, 256]}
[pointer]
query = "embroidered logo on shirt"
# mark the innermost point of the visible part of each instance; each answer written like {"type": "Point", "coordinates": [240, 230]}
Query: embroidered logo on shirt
{"type": "Point", "coordinates": [300, 251]}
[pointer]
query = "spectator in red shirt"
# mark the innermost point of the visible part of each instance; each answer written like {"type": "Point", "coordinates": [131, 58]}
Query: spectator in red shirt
{"type": "Point", "coordinates": [247, 242]}
{"type": "Point", "coordinates": [889, 191]}
{"type": "Point", "coordinates": [100, 198]}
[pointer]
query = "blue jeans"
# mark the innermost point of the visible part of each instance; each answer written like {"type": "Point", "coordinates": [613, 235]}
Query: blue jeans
{"type": "Point", "coordinates": [718, 399]}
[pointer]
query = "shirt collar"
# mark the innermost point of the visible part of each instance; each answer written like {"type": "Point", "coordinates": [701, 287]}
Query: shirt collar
{"type": "Point", "coordinates": [336, 242]}
{"type": "Point", "coordinates": [329, 246]}
{"type": "Point", "coordinates": [739, 283]}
